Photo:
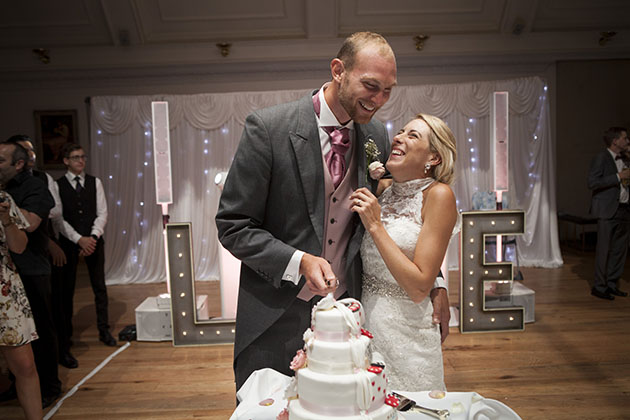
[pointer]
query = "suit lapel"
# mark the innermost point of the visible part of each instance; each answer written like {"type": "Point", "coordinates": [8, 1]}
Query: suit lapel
{"type": "Point", "coordinates": [359, 150]}
{"type": "Point", "coordinates": [361, 136]}
{"type": "Point", "coordinates": [308, 155]}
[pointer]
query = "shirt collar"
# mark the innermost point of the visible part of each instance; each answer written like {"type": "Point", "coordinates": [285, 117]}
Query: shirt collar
{"type": "Point", "coordinates": [71, 176]}
{"type": "Point", "coordinates": [19, 178]}
{"type": "Point", "coordinates": [326, 116]}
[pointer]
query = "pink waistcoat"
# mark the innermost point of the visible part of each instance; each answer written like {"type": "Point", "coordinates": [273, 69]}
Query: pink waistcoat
{"type": "Point", "coordinates": [338, 223]}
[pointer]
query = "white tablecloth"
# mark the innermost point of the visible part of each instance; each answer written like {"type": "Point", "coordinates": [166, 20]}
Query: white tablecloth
{"type": "Point", "coordinates": [262, 398]}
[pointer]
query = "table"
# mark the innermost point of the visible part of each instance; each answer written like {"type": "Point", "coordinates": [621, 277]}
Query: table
{"type": "Point", "coordinates": [577, 221]}
{"type": "Point", "coordinates": [267, 386]}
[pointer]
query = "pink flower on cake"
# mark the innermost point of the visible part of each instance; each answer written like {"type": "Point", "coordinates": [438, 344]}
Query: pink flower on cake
{"type": "Point", "coordinates": [376, 170]}
{"type": "Point", "coordinates": [284, 415]}
{"type": "Point", "coordinates": [299, 360]}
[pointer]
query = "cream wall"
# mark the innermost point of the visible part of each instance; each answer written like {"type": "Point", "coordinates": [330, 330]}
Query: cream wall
{"type": "Point", "coordinates": [591, 96]}
{"type": "Point", "coordinates": [586, 97]}
{"type": "Point", "coordinates": [59, 90]}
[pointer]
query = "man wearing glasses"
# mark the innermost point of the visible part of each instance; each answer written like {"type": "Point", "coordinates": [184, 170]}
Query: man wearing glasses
{"type": "Point", "coordinates": [82, 227]}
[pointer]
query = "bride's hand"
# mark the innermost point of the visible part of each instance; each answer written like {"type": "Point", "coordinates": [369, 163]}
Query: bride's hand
{"type": "Point", "coordinates": [365, 204]}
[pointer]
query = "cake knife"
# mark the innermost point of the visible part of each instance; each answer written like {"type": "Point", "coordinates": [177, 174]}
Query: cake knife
{"type": "Point", "coordinates": [409, 405]}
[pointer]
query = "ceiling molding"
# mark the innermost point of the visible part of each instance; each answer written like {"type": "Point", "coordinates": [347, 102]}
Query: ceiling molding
{"type": "Point", "coordinates": [87, 39]}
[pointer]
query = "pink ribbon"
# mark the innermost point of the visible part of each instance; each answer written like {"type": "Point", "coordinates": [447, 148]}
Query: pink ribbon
{"type": "Point", "coordinates": [331, 336]}
{"type": "Point", "coordinates": [333, 411]}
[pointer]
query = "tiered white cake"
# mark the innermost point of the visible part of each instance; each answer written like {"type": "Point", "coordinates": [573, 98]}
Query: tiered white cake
{"type": "Point", "coordinates": [336, 379]}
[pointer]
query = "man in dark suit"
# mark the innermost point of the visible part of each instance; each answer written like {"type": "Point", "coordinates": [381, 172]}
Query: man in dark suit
{"type": "Point", "coordinates": [285, 210]}
{"type": "Point", "coordinates": [35, 201]}
{"type": "Point", "coordinates": [57, 257]}
{"type": "Point", "coordinates": [608, 179]}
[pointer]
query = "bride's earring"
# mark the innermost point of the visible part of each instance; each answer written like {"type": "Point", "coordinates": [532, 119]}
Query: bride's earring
{"type": "Point", "coordinates": [427, 168]}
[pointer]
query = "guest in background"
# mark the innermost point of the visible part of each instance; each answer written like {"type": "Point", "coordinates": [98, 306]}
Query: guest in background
{"type": "Point", "coordinates": [17, 328]}
{"type": "Point", "coordinates": [57, 256]}
{"type": "Point", "coordinates": [34, 201]}
{"type": "Point", "coordinates": [608, 179]}
{"type": "Point", "coordinates": [84, 218]}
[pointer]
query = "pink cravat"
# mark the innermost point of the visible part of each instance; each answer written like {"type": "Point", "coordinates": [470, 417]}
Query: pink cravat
{"type": "Point", "coordinates": [336, 158]}
{"type": "Point", "coordinates": [340, 143]}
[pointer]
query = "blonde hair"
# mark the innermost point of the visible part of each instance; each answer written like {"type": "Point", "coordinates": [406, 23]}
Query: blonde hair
{"type": "Point", "coordinates": [441, 141]}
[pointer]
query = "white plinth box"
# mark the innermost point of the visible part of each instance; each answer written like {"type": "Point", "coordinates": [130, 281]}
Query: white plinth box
{"type": "Point", "coordinates": [153, 317]}
{"type": "Point", "coordinates": [153, 323]}
{"type": "Point", "coordinates": [521, 296]}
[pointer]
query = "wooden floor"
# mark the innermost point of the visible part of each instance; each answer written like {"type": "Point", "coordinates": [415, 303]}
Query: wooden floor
{"type": "Point", "coordinates": [572, 363]}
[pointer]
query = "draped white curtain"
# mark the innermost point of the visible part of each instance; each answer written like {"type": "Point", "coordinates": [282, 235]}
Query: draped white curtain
{"type": "Point", "coordinates": [205, 130]}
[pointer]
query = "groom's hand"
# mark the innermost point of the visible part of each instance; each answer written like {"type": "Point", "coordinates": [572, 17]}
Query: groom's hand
{"type": "Point", "coordinates": [441, 310]}
{"type": "Point", "coordinates": [319, 275]}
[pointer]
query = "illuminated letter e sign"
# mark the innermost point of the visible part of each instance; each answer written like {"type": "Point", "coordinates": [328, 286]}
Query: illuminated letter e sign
{"type": "Point", "coordinates": [476, 272]}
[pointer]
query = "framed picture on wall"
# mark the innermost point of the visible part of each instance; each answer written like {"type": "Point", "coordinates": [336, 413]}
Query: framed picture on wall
{"type": "Point", "coordinates": [54, 130]}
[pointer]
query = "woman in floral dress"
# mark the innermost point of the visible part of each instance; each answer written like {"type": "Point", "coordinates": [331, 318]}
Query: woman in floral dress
{"type": "Point", "coordinates": [17, 328]}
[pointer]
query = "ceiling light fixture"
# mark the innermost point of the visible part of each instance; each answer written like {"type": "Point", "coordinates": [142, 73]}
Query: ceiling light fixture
{"type": "Point", "coordinates": [606, 36]}
{"type": "Point", "coordinates": [420, 40]}
{"type": "Point", "coordinates": [42, 55]}
{"type": "Point", "coordinates": [224, 47]}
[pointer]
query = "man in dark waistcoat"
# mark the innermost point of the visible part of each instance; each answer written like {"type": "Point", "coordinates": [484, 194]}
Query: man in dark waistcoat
{"type": "Point", "coordinates": [84, 218]}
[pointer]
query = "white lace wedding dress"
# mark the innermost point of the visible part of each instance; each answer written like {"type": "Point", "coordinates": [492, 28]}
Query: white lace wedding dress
{"type": "Point", "coordinates": [404, 333]}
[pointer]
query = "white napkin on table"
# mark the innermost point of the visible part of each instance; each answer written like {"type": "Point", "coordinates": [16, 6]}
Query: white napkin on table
{"type": "Point", "coordinates": [261, 385]}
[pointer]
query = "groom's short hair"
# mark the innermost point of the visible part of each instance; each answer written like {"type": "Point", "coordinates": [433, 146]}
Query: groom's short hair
{"type": "Point", "coordinates": [358, 40]}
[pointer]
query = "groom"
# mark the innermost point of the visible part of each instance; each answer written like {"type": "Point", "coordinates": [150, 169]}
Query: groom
{"type": "Point", "coordinates": [285, 210]}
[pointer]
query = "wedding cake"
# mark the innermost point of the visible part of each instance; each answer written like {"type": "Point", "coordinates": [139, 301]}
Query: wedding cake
{"type": "Point", "coordinates": [334, 377]}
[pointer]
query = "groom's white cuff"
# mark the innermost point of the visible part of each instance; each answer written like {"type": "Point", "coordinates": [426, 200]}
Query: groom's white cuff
{"type": "Point", "coordinates": [292, 272]}
{"type": "Point", "coordinates": [440, 282]}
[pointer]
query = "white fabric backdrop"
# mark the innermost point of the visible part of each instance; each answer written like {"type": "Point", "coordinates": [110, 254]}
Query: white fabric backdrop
{"type": "Point", "coordinates": [205, 131]}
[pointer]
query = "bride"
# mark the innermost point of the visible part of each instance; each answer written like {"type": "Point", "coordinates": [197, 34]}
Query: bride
{"type": "Point", "coordinates": [408, 229]}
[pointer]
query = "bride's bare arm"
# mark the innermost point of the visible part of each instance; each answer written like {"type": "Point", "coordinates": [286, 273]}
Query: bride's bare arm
{"type": "Point", "coordinates": [415, 276]}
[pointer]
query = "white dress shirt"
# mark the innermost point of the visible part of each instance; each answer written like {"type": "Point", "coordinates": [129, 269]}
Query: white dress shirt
{"type": "Point", "coordinates": [623, 191]}
{"type": "Point", "coordinates": [53, 187]}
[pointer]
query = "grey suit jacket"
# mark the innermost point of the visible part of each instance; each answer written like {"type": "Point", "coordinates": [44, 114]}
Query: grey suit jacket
{"type": "Point", "coordinates": [603, 181]}
{"type": "Point", "coordinates": [273, 203]}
